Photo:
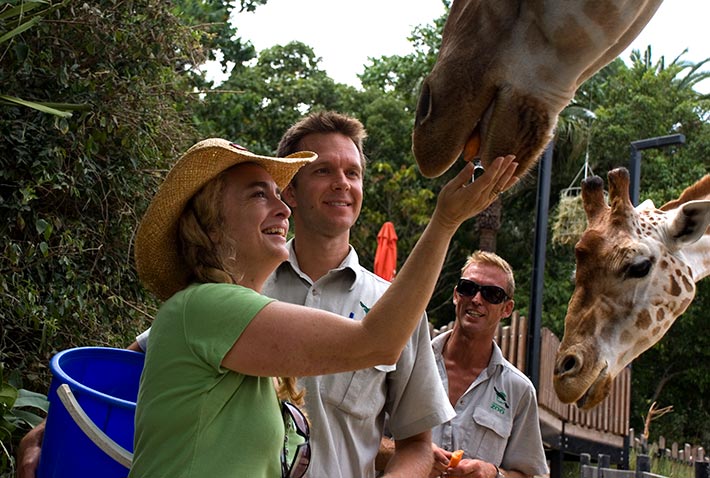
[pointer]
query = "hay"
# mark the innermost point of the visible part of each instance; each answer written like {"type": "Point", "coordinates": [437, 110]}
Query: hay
{"type": "Point", "coordinates": [571, 220]}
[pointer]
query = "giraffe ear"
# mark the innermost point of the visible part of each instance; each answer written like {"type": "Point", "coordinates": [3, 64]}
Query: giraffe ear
{"type": "Point", "coordinates": [688, 224]}
{"type": "Point", "coordinates": [647, 205]}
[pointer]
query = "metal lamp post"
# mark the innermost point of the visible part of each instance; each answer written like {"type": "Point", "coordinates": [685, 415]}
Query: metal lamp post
{"type": "Point", "coordinates": [635, 164]}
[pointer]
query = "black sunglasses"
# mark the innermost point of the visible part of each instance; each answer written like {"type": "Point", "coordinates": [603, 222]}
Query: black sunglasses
{"type": "Point", "coordinates": [492, 293]}
{"type": "Point", "coordinates": [294, 419]}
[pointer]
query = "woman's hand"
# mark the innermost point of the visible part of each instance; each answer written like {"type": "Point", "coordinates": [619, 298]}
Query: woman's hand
{"type": "Point", "coordinates": [461, 199]}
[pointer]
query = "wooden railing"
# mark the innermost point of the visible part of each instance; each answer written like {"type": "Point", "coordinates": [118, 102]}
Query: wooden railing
{"type": "Point", "coordinates": [607, 423]}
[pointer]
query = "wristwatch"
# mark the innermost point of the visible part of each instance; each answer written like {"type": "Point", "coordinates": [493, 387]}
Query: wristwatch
{"type": "Point", "coordinates": [499, 474]}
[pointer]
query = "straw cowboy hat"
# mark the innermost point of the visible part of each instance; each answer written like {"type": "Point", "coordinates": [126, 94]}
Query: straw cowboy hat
{"type": "Point", "coordinates": [160, 266]}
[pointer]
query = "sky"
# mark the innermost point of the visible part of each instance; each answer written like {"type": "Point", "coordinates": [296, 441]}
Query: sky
{"type": "Point", "coordinates": [345, 34]}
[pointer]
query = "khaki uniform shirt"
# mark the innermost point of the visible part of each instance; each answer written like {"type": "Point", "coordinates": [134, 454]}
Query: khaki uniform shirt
{"type": "Point", "coordinates": [496, 418]}
{"type": "Point", "coordinates": [347, 410]}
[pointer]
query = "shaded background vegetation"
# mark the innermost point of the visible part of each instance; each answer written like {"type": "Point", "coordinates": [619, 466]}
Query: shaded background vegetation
{"type": "Point", "coordinates": [72, 188]}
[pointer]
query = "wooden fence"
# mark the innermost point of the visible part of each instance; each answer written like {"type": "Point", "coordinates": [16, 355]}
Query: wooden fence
{"type": "Point", "coordinates": [603, 468]}
{"type": "Point", "coordinates": [701, 468]}
{"type": "Point", "coordinates": [685, 453]}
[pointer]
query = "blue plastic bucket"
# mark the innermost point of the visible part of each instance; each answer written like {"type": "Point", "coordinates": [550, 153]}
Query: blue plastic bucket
{"type": "Point", "coordinates": [105, 383]}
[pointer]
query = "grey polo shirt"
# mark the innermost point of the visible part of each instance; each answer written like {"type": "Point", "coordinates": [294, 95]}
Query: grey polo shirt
{"type": "Point", "coordinates": [347, 410]}
{"type": "Point", "coordinates": [496, 418]}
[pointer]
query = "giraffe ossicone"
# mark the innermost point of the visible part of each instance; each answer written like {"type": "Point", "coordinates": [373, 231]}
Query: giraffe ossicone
{"type": "Point", "coordinates": [636, 273]}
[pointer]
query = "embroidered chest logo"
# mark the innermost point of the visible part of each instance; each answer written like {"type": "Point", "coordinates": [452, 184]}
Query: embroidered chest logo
{"type": "Point", "coordinates": [365, 308]}
{"type": "Point", "coordinates": [501, 402]}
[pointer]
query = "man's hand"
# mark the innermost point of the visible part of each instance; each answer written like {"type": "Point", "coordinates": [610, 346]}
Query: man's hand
{"type": "Point", "coordinates": [29, 451]}
{"type": "Point", "coordinates": [473, 469]}
{"type": "Point", "coordinates": [441, 461]}
{"type": "Point", "coordinates": [469, 468]}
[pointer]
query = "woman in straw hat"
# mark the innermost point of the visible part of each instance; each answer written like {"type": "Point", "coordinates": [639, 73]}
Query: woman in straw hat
{"type": "Point", "coordinates": [213, 233]}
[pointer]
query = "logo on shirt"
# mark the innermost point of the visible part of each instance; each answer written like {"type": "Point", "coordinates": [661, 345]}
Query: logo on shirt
{"type": "Point", "coordinates": [365, 308]}
{"type": "Point", "coordinates": [501, 401]}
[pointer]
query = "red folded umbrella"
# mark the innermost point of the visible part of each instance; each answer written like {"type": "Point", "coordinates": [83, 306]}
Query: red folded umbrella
{"type": "Point", "coordinates": [386, 253]}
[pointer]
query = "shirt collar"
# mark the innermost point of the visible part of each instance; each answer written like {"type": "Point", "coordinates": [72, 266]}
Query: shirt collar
{"type": "Point", "coordinates": [438, 343]}
{"type": "Point", "coordinates": [496, 357]}
{"type": "Point", "coordinates": [351, 263]}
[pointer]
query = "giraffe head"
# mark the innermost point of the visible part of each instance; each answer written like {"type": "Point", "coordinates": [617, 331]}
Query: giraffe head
{"type": "Point", "coordinates": [505, 70]}
{"type": "Point", "coordinates": [633, 279]}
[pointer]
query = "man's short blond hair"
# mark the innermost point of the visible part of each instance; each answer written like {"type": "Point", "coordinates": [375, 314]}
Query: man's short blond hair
{"type": "Point", "coordinates": [493, 259]}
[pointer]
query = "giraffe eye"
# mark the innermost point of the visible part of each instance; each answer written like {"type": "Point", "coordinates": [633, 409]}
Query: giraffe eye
{"type": "Point", "coordinates": [639, 269]}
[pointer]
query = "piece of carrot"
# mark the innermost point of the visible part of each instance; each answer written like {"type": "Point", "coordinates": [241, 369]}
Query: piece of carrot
{"type": "Point", "coordinates": [455, 458]}
{"type": "Point", "coordinates": [473, 144]}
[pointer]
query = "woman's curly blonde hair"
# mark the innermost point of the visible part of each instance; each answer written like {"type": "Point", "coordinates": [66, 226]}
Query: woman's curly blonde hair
{"type": "Point", "coordinates": [201, 220]}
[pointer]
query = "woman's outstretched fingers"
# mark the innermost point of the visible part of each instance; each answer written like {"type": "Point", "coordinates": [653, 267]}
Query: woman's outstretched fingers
{"type": "Point", "coordinates": [461, 199]}
{"type": "Point", "coordinates": [504, 174]}
{"type": "Point", "coordinates": [508, 178]}
{"type": "Point", "coordinates": [500, 176]}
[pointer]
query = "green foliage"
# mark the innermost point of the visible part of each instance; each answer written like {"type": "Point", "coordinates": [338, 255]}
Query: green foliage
{"type": "Point", "coordinates": [19, 18]}
{"type": "Point", "coordinates": [649, 100]}
{"type": "Point", "coordinates": [216, 32]}
{"type": "Point", "coordinates": [72, 189]}
{"type": "Point", "coordinates": [401, 76]}
{"type": "Point", "coordinates": [15, 420]}
{"type": "Point", "coordinates": [394, 189]}
{"type": "Point", "coordinates": [258, 103]}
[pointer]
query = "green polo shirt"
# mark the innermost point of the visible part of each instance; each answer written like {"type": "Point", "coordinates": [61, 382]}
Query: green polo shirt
{"type": "Point", "coordinates": [195, 418]}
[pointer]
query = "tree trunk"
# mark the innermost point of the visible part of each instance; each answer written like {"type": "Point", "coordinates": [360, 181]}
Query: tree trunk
{"type": "Point", "coordinates": [488, 224]}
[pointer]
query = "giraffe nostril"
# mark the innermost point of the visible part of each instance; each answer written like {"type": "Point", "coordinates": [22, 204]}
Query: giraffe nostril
{"type": "Point", "coordinates": [568, 363]}
{"type": "Point", "coordinates": [424, 104]}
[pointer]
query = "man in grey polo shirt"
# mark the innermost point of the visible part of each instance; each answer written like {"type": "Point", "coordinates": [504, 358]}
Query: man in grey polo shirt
{"type": "Point", "coordinates": [347, 410]}
{"type": "Point", "coordinates": [496, 423]}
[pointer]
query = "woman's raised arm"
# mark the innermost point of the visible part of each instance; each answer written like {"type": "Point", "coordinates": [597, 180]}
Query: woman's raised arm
{"type": "Point", "coordinates": [291, 340]}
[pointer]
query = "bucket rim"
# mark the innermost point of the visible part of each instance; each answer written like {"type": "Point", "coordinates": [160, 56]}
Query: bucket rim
{"type": "Point", "coordinates": [76, 386]}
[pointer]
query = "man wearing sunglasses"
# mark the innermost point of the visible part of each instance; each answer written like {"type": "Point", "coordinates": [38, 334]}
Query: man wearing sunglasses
{"type": "Point", "coordinates": [496, 423]}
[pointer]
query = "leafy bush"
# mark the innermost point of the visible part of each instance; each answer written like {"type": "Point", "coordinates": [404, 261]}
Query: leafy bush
{"type": "Point", "coordinates": [73, 187]}
{"type": "Point", "coordinates": [15, 421]}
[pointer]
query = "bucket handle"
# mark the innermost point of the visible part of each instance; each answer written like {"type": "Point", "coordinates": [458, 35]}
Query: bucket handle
{"type": "Point", "coordinates": [95, 434]}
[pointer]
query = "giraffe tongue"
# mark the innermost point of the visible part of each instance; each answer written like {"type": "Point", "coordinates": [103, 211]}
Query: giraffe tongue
{"type": "Point", "coordinates": [473, 145]}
